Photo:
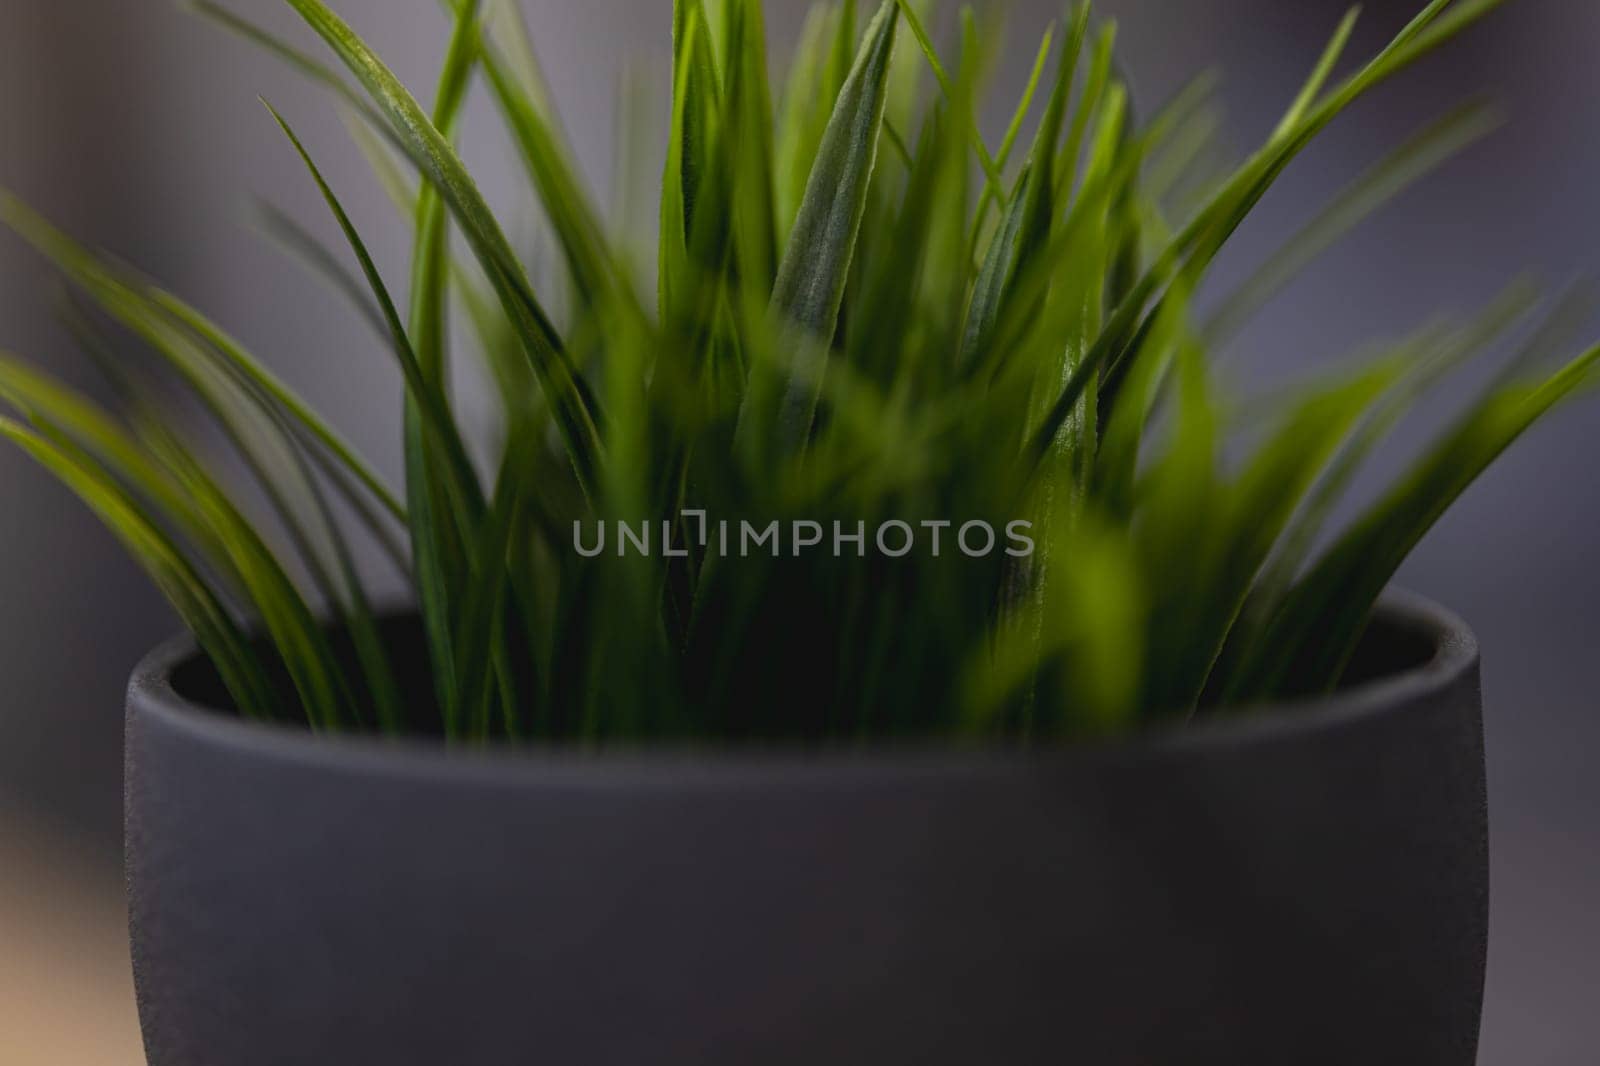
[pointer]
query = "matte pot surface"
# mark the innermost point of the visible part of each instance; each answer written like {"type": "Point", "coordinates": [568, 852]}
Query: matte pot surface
{"type": "Point", "coordinates": [1307, 885]}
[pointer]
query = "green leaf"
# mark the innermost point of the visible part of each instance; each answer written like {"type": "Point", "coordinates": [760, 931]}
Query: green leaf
{"type": "Point", "coordinates": [299, 243]}
{"type": "Point", "coordinates": [1199, 242]}
{"type": "Point", "coordinates": [444, 497]}
{"type": "Point", "coordinates": [242, 673]}
{"type": "Point", "coordinates": [515, 381]}
{"type": "Point", "coordinates": [921, 231]}
{"type": "Point", "coordinates": [749, 107]}
{"type": "Point", "coordinates": [1029, 220]}
{"type": "Point", "coordinates": [986, 199]}
{"type": "Point", "coordinates": [296, 632]}
{"type": "Point", "coordinates": [1417, 158]}
{"type": "Point", "coordinates": [1092, 100]}
{"type": "Point", "coordinates": [518, 90]}
{"type": "Point", "coordinates": [480, 624]}
{"type": "Point", "coordinates": [1319, 76]}
{"type": "Point", "coordinates": [269, 42]}
{"type": "Point", "coordinates": [1429, 358]}
{"type": "Point", "coordinates": [991, 169]}
{"type": "Point", "coordinates": [690, 157]}
{"type": "Point", "coordinates": [159, 317]}
{"type": "Point", "coordinates": [445, 435]}
{"type": "Point", "coordinates": [436, 455]}
{"type": "Point", "coordinates": [191, 502]}
{"type": "Point", "coordinates": [988, 293]}
{"type": "Point", "coordinates": [816, 265]}
{"type": "Point", "coordinates": [1258, 508]}
{"type": "Point", "coordinates": [807, 103]}
{"type": "Point", "coordinates": [268, 426]}
{"type": "Point", "coordinates": [431, 152]}
{"type": "Point", "coordinates": [1316, 631]}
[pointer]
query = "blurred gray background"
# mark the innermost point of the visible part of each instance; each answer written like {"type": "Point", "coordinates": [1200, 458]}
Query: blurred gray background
{"type": "Point", "coordinates": [136, 127]}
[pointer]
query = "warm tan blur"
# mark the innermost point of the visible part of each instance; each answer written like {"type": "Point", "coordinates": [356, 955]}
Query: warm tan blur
{"type": "Point", "coordinates": [66, 993]}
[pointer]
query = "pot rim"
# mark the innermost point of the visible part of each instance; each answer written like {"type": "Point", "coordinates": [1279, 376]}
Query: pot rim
{"type": "Point", "coordinates": [151, 695]}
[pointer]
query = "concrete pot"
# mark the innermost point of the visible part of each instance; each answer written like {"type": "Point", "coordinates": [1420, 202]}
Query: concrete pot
{"type": "Point", "coordinates": [1307, 885]}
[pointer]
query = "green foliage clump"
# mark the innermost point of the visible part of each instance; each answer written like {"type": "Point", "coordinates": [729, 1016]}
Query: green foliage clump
{"type": "Point", "coordinates": [872, 330]}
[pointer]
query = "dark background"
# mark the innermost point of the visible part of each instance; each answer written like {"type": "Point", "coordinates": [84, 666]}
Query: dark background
{"type": "Point", "coordinates": [135, 126]}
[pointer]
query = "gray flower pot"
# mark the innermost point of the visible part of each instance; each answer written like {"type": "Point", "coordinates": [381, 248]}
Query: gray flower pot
{"type": "Point", "coordinates": [1307, 886]}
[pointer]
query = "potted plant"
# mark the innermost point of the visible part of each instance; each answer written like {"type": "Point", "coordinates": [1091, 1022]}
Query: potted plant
{"type": "Point", "coordinates": [882, 643]}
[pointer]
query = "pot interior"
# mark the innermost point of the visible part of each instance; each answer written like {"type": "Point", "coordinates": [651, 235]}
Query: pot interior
{"type": "Point", "coordinates": [1400, 640]}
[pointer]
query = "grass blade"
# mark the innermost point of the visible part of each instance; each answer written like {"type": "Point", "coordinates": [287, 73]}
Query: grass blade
{"type": "Point", "coordinates": [519, 93]}
{"type": "Point", "coordinates": [816, 265]}
{"type": "Point", "coordinates": [154, 314]}
{"type": "Point", "coordinates": [431, 152]}
{"type": "Point", "coordinates": [986, 199]}
{"type": "Point", "coordinates": [1416, 159]}
{"type": "Point", "coordinates": [242, 673]}
{"type": "Point", "coordinates": [446, 437]}
{"type": "Point", "coordinates": [1194, 248]}
{"type": "Point", "coordinates": [1316, 631]}
{"type": "Point", "coordinates": [991, 169]}
{"type": "Point", "coordinates": [1319, 75]}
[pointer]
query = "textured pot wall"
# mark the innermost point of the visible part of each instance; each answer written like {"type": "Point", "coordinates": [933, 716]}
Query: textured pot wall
{"type": "Point", "coordinates": [1308, 885]}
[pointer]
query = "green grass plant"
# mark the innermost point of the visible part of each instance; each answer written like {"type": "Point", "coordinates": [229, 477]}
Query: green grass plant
{"type": "Point", "coordinates": [868, 321]}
